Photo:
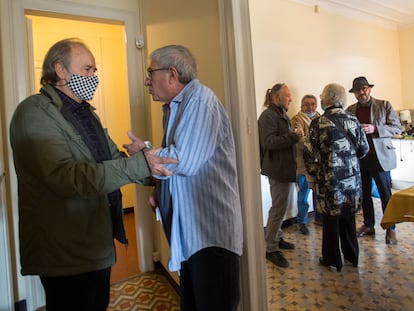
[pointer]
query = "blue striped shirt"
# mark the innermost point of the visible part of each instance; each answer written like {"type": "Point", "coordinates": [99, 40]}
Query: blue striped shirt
{"type": "Point", "coordinates": [204, 187]}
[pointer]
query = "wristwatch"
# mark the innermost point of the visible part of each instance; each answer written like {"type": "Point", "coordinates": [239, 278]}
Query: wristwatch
{"type": "Point", "coordinates": [148, 145]}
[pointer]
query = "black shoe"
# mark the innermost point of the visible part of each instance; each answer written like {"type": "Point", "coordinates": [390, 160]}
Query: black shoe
{"type": "Point", "coordinates": [277, 259]}
{"type": "Point", "coordinates": [318, 222]}
{"type": "Point", "coordinates": [391, 237]}
{"type": "Point", "coordinates": [364, 231]}
{"type": "Point", "coordinates": [350, 263]}
{"type": "Point", "coordinates": [285, 245]}
{"type": "Point", "coordinates": [303, 229]}
{"type": "Point", "coordinates": [323, 263]}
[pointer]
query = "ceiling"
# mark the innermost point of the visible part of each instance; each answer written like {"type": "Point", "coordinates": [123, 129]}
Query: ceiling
{"type": "Point", "coordinates": [390, 13]}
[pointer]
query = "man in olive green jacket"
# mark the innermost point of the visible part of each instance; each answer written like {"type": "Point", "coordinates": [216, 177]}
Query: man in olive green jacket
{"type": "Point", "coordinates": [69, 173]}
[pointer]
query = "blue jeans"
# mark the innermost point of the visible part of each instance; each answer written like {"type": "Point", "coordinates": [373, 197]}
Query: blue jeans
{"type": "Point", "coordinates": [303, 193]}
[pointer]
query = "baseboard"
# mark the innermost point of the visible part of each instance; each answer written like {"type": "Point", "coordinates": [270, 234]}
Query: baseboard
{"type": "Point", "coordinates": [401, 185]}
{"type": "Point", "coordinates": [291, 221]}
{"type": "Point", "coordinates": [128, 210]}
{"type": "Point", "coordinates": [161, 268]}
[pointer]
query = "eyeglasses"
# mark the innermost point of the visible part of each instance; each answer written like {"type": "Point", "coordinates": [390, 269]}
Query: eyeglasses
{"type": "Point", "coordinates": [309, 104]}
{"type": "Point", "coordinates": [363, 89]}
{"type": "Point", "coordinates": [150, 71]}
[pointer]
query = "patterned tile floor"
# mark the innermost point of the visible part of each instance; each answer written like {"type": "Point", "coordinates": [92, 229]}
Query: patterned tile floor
{"type": "Point", "coordinates": [147, 291]}
{"type": "Point", "coordinates": [383, 281]}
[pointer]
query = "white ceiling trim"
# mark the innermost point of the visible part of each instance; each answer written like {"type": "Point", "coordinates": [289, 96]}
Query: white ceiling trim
{"type": "Point", "coordinates": [399, 14]}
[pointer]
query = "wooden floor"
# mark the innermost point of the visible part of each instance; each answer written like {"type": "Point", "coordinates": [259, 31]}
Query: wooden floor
{"type": "Point", "coordinates": [127, 264]}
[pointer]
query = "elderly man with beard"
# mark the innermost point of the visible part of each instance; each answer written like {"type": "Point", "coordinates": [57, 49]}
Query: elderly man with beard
{"type": "Point", "coordinates": [379, 122]}
{"type": "Point", "coordinates": [278, 141]}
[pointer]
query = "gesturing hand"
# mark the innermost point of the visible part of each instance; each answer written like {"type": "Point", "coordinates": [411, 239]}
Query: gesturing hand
{"type": "Point", "coordinates": [368, 128]}
{"type": "Point", "coordinates": [136, 144]}
{"type": "Point", "coordinates": [299, 132]}
{"type": "Point", "coordinates": [156, 163]}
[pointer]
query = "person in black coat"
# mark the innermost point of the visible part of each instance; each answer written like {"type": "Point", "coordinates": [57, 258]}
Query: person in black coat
{"type": "Point", "coordinates": [278, 162]}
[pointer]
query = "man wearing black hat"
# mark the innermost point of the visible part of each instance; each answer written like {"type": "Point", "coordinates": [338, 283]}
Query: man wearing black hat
{"type": "Point", "coordinates": [379, 122]}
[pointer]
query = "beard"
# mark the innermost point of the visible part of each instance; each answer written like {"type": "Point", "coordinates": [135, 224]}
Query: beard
{"type": "Point", "coordinates": [363, 99]}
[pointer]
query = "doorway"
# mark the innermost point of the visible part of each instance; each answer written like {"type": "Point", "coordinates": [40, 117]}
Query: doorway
{"type": "Point", "coordinates": [106, 40]}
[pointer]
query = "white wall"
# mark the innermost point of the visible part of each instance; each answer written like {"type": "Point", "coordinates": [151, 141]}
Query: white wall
{"type": "Point", "coordinates": [406, 41]}
{"type": "Point", "coordinates": [307, 50]}
{"type": "Point", "coordinates": [402, 175]}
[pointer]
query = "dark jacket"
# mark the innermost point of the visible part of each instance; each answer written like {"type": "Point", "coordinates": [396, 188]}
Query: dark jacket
{"type": "Point", "coordinates": [277, 145]}
{"type": "Point", "coordinates": [386, 120]}
{"type": "Point", "coordinates": [64, 218]}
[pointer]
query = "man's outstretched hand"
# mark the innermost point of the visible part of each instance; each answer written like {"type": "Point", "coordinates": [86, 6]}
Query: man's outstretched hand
{"type": "Point", "coordinates": [155, 162]}
{"type": "Point", "coordinates": [136, 144]}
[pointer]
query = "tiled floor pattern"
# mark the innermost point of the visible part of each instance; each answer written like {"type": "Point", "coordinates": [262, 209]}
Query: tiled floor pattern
{"type": "Point", "coordinates": [383, 281]}
{"type": "Point", "coordinates": [147, 291]}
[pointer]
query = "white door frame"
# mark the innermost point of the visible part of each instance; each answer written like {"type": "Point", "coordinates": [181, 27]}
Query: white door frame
{"type": "Point", "coordinates": [6, 280]}
{"type": "Point", "coordinates": [21, 71]}
{"type": "Point", "coordinates": [240, 94]}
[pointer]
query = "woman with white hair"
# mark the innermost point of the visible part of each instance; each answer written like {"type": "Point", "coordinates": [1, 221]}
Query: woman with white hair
{"type": "Point", "coordinates": [336, 143]}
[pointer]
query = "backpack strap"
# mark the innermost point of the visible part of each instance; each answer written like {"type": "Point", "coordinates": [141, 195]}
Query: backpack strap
{"type": "Point", "coordinates": [341, 129]}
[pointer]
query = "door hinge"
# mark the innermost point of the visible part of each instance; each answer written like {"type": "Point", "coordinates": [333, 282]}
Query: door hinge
{"type": "Point", "coordinates": [139, 41]}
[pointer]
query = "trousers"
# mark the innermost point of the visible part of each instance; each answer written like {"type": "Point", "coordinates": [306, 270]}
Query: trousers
{"type": "Point", "coordinates": [210, 280]}
{"type": "Point", "coordinates": [281, 199]}
{"type": "Point", "coordinates": [84, 292]}
{"type": "Point", "coordinates": [371, 170]}
{"type": "Point", "coordinates": [339, 234]}
{"type": "Point", "coordinates": [303, 194]}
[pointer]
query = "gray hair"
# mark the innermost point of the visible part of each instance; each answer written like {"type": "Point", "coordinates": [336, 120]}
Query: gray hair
{"type": "Point", "coordinates": [180, 58]}
{"type": "Point", "coordinates": [270, 92]}
{"type": "Point", "coordinates": [307, 96]}
{"type": "Point", "coordinates": [60, 52]}
{"type": "Point", "coordinates": [334, 95]}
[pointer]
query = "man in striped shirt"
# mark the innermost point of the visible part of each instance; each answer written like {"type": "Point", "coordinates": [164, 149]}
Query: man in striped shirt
{"type": "Point", "coordinates": [206, 227]}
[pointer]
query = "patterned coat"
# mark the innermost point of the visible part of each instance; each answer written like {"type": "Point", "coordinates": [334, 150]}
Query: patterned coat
{"type": "Point", "coordinates": [334, 161]}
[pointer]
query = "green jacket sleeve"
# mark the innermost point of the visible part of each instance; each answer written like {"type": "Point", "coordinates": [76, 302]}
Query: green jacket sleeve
{"type": "Point", "coordinates": [52, 152]}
